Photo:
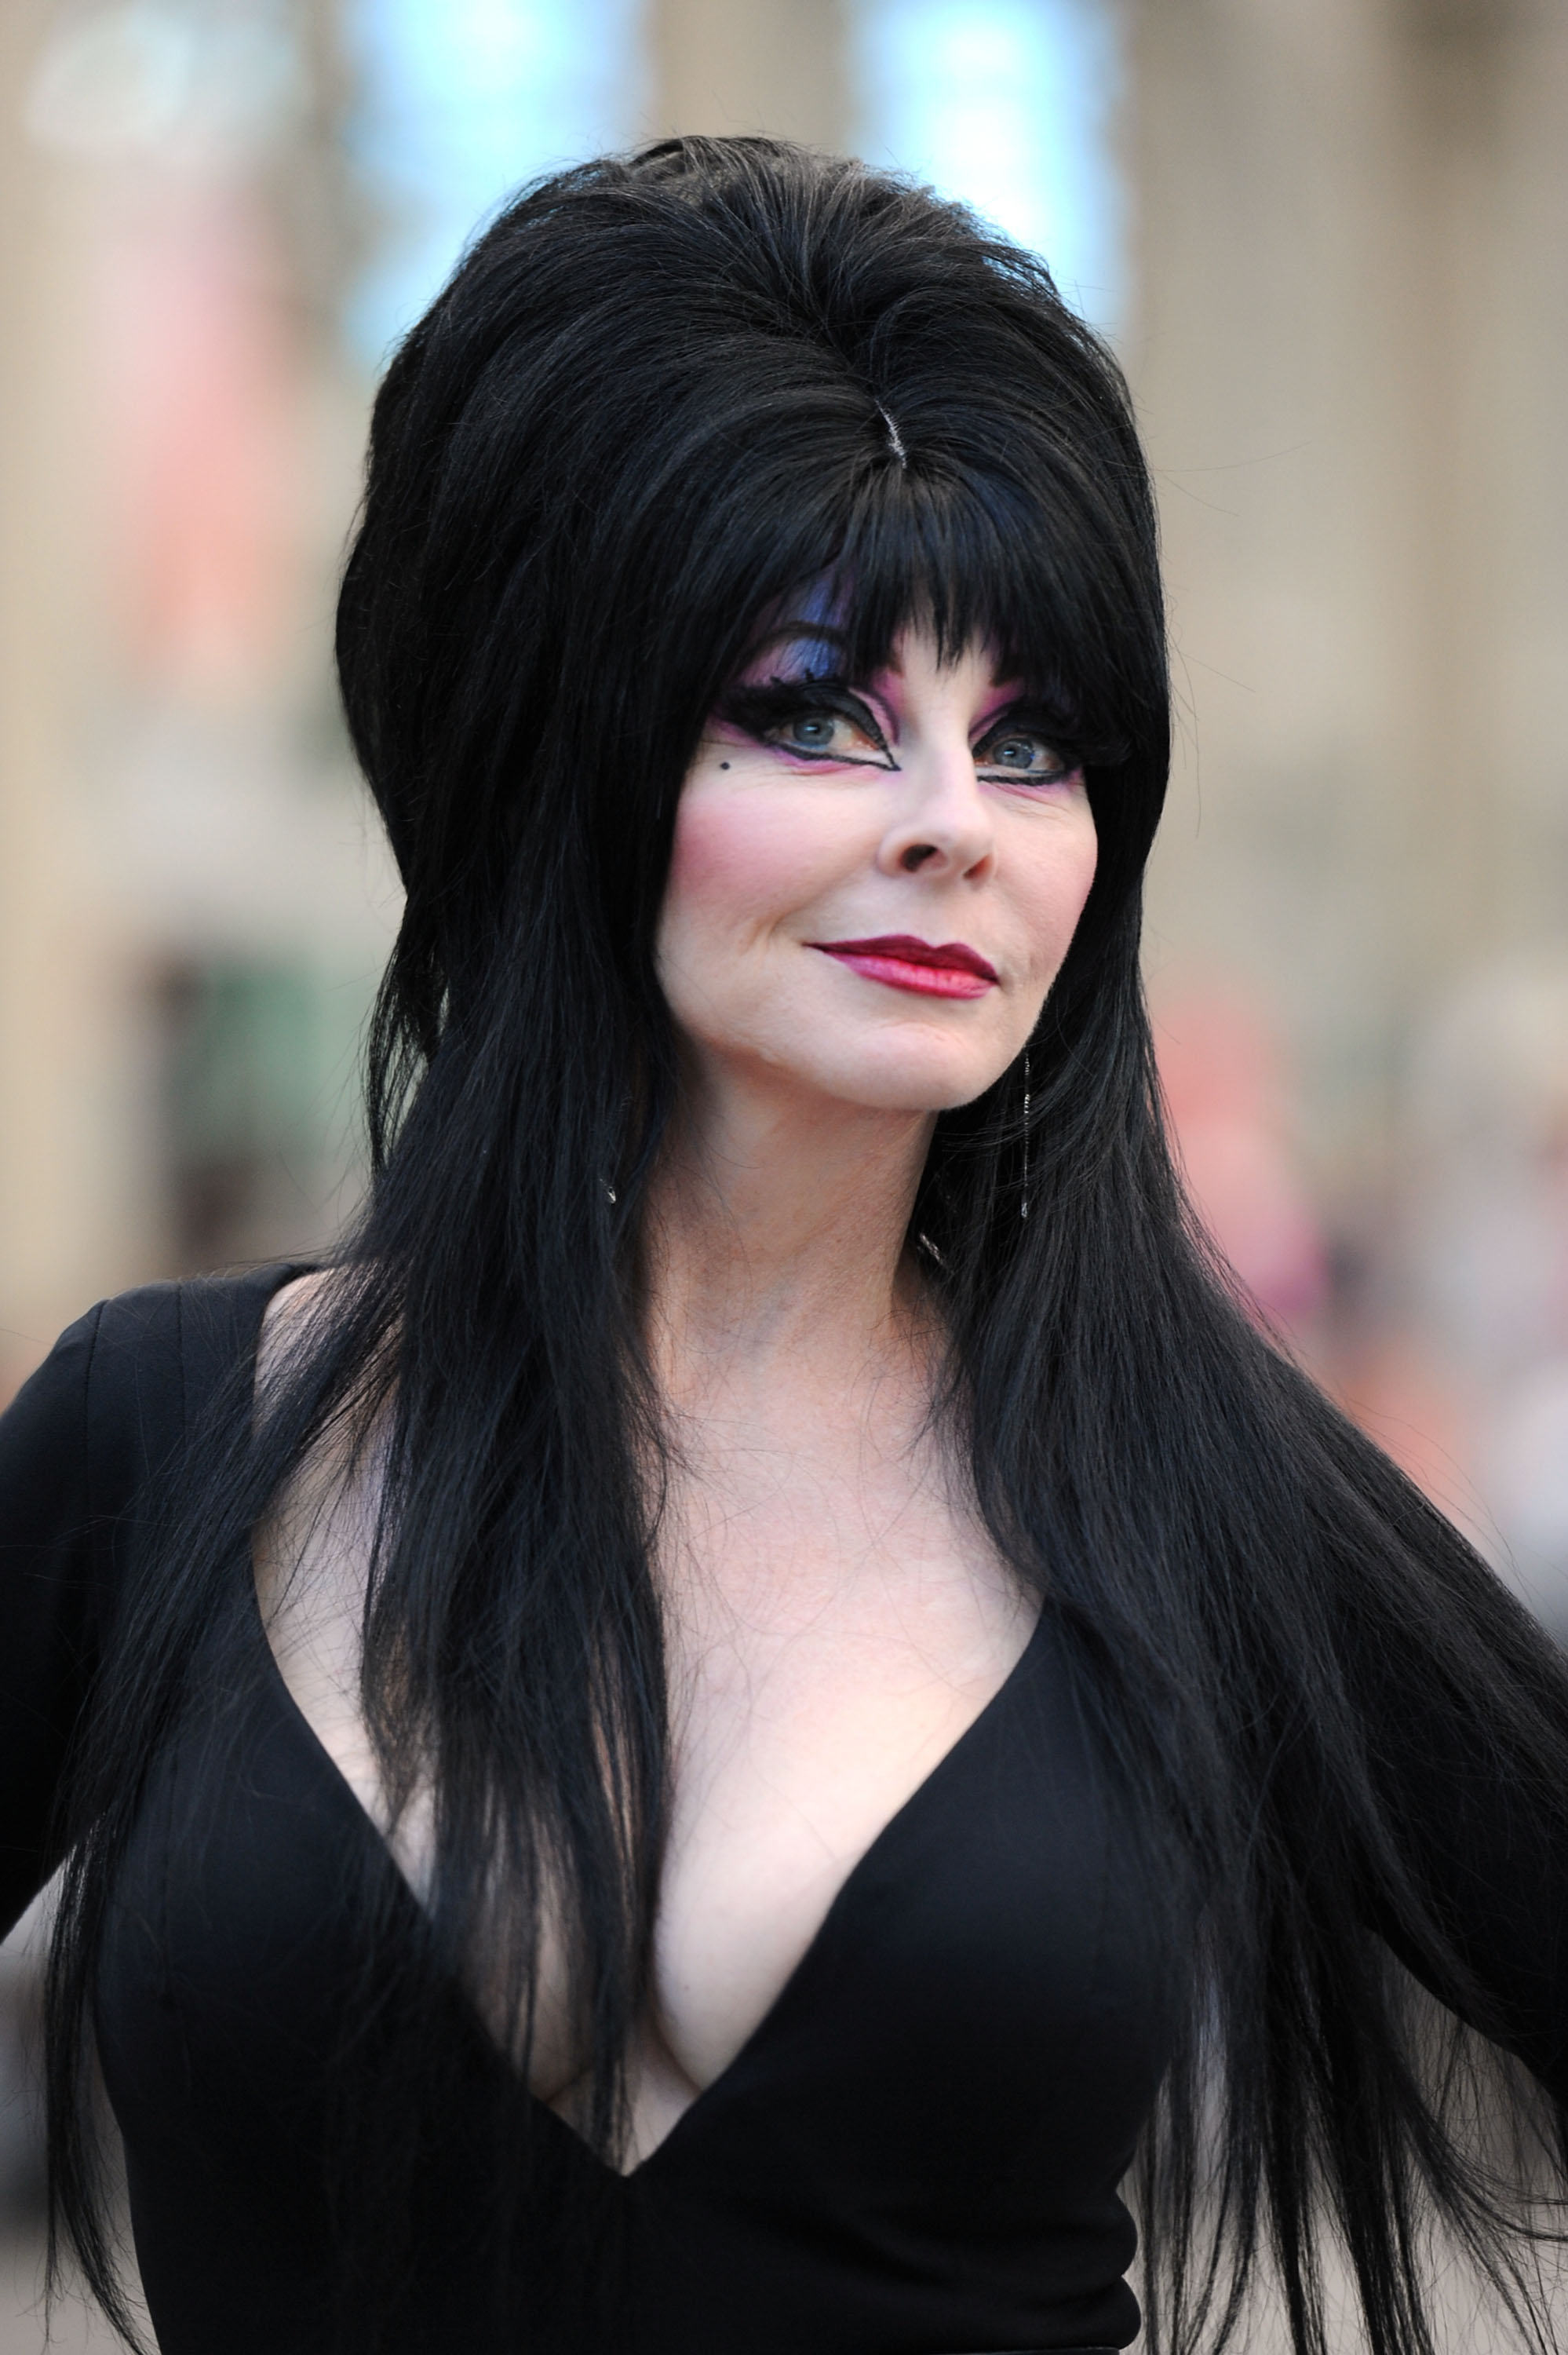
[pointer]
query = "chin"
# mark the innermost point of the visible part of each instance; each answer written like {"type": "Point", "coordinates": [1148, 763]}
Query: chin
{"type": "Point", "coordinates": [925, 1084]}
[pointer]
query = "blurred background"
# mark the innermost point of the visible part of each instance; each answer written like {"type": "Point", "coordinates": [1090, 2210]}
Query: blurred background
{"type": "Point", "coordinates": [1327, 238]}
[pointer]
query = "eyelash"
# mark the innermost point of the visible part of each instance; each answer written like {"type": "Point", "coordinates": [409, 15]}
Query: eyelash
{"type": "Point", "coordinates": [1047, 740]}
{"type": "Point", "coordinates": [761, 709]}
{"type": "Point", "coordinates": [766, 706]}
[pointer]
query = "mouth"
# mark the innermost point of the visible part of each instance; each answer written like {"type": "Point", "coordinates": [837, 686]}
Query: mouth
{"type": "Point", "coordinates": [900, 962]}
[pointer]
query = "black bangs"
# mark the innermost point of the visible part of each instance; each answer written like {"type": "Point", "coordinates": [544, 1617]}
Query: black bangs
{"type": "Point", "coordinates": [931, 554]}
{"type": "Point", "coordinates": [976, 562]}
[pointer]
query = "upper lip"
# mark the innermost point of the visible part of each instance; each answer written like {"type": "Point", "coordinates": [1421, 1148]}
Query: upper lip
{"type": "Point", "coordinates": [957, 955]}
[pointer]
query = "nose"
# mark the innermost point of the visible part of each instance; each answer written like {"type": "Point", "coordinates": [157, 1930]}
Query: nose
{"type": "Point", "coordinates": [944, 827]}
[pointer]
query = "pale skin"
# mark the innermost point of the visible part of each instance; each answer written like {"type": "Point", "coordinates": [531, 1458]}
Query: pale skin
{"type": "Point", "coordinates": [837, 1616]}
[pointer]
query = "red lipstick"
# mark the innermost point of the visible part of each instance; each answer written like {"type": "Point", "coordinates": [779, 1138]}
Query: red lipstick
{"type": "Point", "coordinates": [897, 959]}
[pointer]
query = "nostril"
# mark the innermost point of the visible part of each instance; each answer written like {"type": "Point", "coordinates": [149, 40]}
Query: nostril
{"type": "Point", "coordinates": [917, 854]}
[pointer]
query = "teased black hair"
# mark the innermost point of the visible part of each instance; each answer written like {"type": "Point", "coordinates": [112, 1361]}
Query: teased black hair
{"type": "Point", "coordinates": [660, 397]}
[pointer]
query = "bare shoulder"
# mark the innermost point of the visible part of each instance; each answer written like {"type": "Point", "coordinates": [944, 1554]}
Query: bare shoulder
{"type": "Point", "coordinates": [311, 1551]}
{"type": "Point", "coordinates": [313, 1541]}
{"type": "Point", "coordinates": [289, 1316]}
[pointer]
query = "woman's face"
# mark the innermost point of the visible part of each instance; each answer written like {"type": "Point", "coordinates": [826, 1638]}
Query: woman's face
{"type": "Point", "coordinates": [874, 881]}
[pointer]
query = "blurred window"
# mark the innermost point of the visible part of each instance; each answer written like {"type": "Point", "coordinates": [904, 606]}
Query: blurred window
{"type": "Point", "coordinates": [461, 101]}
{"type": "Point", "coordinates": [1011, 106]}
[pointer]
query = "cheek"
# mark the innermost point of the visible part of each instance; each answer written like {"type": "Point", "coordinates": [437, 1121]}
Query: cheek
{"type": "Point", "coordinates": [738, 860]}
{"type": "Point", "coordinates": [1054, 887]}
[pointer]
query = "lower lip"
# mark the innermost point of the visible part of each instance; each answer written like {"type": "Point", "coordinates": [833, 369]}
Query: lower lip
{"type": "Point", "coordinates": [924, 980]}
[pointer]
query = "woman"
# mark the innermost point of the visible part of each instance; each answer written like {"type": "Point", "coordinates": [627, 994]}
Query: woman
{"type": "Point", "coordinates": [817, 1688]}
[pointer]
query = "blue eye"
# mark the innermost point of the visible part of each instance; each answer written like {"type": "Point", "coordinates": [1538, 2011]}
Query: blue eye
{"type": "Point", "coordinates": [822, 735]}
{"type": "Point", "coordinates": [1023, 753]}
{"type": "Point", "coordinates": [813, 732]}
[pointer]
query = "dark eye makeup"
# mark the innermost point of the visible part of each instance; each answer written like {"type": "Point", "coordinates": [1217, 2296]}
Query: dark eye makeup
{"type": "Point", "coordinates": [786, 711]}
{"type": "Point", "coordinates": [1027, 742]}
{"type": "Point", "coordinates": [806, 717]}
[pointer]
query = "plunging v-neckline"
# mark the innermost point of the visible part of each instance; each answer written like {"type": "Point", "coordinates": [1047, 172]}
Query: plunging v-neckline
{"type": "Point", "coordinates": [706, 2095]}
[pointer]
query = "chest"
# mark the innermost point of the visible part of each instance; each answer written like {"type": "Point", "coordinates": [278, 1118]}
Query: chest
{"type": "Point", "coordinates": [835, 1620]}
{"type": "Point", "coordinates": [832, 1639]}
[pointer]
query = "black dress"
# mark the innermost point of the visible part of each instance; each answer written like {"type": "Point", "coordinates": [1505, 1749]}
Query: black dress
{"type": "Point", "coordinates": [918, 2152]}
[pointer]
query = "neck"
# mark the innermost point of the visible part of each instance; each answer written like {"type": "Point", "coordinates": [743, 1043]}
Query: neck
{"type": "Point", "coordinates": [778, 1232]}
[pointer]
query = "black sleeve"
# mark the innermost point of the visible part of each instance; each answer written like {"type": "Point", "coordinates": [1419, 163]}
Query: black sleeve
{"type": "Point", "coordinates": [47, 1650]}
{"type": "Point", "coordinates": [78, 1444]}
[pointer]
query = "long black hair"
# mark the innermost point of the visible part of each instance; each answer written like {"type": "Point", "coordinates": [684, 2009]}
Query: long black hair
{"type": "Point", "coordinates": [659, 396]}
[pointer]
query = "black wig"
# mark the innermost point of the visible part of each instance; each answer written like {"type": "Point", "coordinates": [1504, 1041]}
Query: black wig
{"type": "Point", "coordinates": [659, 396]}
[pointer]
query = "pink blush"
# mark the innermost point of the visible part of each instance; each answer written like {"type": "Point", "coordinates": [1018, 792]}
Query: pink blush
{"type": "Point", "coordinates": [744, 848]}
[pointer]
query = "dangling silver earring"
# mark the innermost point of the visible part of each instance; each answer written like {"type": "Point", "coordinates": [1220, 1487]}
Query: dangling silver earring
{"type": "Point", "coordinates": [1023, 1206]}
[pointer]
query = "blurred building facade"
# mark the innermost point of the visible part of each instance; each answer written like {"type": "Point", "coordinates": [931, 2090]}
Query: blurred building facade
{"type": "Point", "coordinates": [192, 908]}
{"type": "Point", "coordinates": [1328, 240]}
{"type": "Point", "coordinates": [1351, 352]}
